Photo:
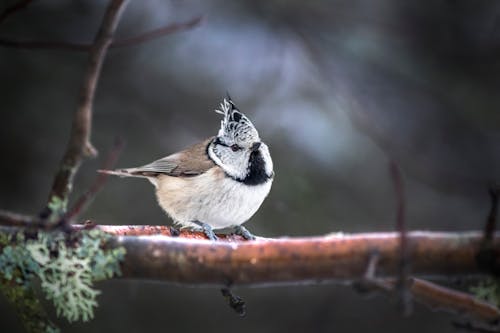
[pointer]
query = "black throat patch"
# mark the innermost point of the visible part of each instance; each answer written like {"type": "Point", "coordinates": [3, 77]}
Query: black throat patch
{"type": "Point", "coordinates": [256, 174]}
{"type": "Point", "coordinates": [256, 170]}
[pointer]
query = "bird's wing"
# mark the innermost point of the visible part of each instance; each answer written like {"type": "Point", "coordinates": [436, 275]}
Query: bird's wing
{"type": "Point", "coordinates": [191, 161]}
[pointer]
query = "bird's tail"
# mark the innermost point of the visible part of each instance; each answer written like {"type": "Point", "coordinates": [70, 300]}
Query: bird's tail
{"type": "Point", "coordinates": [132, 172]}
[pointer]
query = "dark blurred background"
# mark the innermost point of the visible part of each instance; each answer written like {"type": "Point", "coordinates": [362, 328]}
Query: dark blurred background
{"type": "Point", "coordinates": [336, 88]}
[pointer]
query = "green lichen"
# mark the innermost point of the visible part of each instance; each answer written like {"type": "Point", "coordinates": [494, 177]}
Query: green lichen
{"type": "Point", "coordinates": [488, 290]}
{"type": "Point", "coordinates": [15, 261]}
{"type": "Point", "coordinates": [57, 205]}
{"type": "Point", "coordinates": [65, 265]}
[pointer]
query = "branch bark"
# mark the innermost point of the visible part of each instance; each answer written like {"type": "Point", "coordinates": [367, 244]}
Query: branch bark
{"type": "Point", "coordinates": [298, 260]}
{"type": "Point", "coordinates": [79, 144]}
{"type": "Point", "coordinates": [153, 254]}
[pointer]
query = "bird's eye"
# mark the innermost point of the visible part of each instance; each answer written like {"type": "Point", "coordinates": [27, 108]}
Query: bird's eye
{"type": "Point", "coordinates": [235, 147]}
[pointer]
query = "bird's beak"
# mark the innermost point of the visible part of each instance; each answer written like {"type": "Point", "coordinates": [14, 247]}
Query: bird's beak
{"type": "Point", "coordinates": [255, 146]}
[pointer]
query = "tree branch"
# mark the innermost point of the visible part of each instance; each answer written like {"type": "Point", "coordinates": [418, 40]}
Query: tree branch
{"type": "Point", "coordinates": [292, 260]}
{"type": "Point", "coordinates": [157, 33]}
{"type": "Point", "coordinates": [12, 219]}
{"type": "Point", "coordinates": [440, 298]}
{"type": "Point", "coordinates": [152, 254]}
{"type": "Point", "coordinates": [79, 144]}
{"type": "Point", "coordinates": [83, 47]}
{"type": "Point", "coordinates": [14, 8]}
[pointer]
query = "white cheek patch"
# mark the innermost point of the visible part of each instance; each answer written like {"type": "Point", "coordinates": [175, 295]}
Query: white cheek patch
{"type": "Point", "coordinates": [235, 165]}
{"type": "Point", "coordinates": [267, 158]}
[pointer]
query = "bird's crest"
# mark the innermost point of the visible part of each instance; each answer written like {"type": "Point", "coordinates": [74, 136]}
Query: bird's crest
{"type": "Point", "coordinates": [235, 125]}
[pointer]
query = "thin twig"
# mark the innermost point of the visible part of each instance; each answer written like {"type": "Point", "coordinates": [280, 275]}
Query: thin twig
{"type": "Point", "coordinates": [99, 182]}
{"type": "Point", "coordinates": [157, 33]}
{"type": "Point", "coordinates": [490, 227]}
{"type": "Point", "coordinates": [44, 45]}
{"type": "Point", "coordinates": [487, 257]}
{"type": "Point", "coordinates": [401, 227]}
{"type": "Point", "coordinates": [83, 47]}
{"type": "Point", "coordinates": [235, 302]}
{"type": "Point", "coordinates": [13, 219]}
{"type": "Point", "coordinates": [79, 144]}
{"type": "Point", "coordinates": [476, 327]}
{"type": "Point", "coordinates": [14, 8]}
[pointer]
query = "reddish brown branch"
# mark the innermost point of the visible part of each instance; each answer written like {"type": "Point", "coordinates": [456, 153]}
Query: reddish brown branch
{"type": "Point", "coordinates": [294, 260]}
{"type": "Point", "coordinates": [445, 299]}
{"type": "Point", "coordinates": [153, 254]}
{"type": "Point", "coordinates": [14, 8]}
{"type": "Point", "coordinates": [79, 144]}
{"type": "Point", "coordinates": [436, 297]}
{"type": "Point", "coordinates": [83, 47]}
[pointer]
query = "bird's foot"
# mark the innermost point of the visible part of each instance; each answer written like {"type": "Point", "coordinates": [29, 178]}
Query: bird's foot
{"type": "Point", "coordinates": [174, 232]}
{"type": "Point", "coordinates": [243, 232]}
{"type": "Point", "coordinates": [207, 230]}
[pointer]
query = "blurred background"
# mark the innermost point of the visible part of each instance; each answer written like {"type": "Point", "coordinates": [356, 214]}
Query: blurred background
{"type": "Point", "coordinates": [337, 89]}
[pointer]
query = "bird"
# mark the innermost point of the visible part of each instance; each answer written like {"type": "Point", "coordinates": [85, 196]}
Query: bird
{"type": "Point", "coordinates": [214, 184]}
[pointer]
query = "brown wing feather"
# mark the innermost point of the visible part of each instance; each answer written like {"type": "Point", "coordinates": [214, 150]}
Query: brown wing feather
{"type": "Point", "coordinates": [191, 161]}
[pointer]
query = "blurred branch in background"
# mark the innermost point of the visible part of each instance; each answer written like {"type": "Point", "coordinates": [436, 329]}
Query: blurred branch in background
{"type": "Point", "coordinates": [83, 47]}
{"type": "Point", "coordinates": [402, 228]}
{"type": "Point", "coordinates": [13, 9]}
{"type": "Point", "coordinates": [79, 145]}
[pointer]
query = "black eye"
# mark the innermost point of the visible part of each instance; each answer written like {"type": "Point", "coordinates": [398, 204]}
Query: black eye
{"type": "Point", "coordinates": [235, 147]}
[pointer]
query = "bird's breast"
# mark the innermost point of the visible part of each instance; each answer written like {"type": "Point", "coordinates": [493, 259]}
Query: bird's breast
{"type": "Point", "coordinates": [211, 197]}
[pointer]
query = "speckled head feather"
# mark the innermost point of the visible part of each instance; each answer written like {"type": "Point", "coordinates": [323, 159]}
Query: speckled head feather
{"type": "Point", "coordinates": [236, 127]}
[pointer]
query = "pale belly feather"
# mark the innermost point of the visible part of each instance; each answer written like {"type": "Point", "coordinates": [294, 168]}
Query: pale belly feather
{"type": "Point", "coordinates": [211, 198]}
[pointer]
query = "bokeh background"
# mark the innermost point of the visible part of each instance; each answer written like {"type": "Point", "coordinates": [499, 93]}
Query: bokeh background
{"type": "Point", "coordinates": [336, 88]}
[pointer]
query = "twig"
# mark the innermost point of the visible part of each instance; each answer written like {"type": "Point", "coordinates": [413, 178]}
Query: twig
{"type": "Point", "coordinates": [12, 219]}
{"type": "Point", "coordinates": [397, 180]}
{"type": "Point", "coordinates": [45, 45]}
{"type": "Point", "coordinates": [492, 216]}
{"type": "Point", "coordinates": [79, 144]}
{"type": "Point", "coordinates": [436, 297]}
{"type": "Point", "coordinates": [369, 282]}
{"type": "Point", "coordinates": [99, 182]}
{"type": "Point", "coordinates": [476, 327]}
{"type": "Point", "coordinates": [235, 302]}
{"type": "Point", "coordinates": [157, 33]}
{"type": "Point", "coordinates": [488, 258]}
{"type": "Point", "coordinates": [83, 47]}
{"type": "Point", "coordinates": [14, 8]}
{"type": "Point", "coordinates": [445, 299]}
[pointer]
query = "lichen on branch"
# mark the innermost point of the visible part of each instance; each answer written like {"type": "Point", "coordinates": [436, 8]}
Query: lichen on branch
{"type": "Point", "coordinates": [66, 265]}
